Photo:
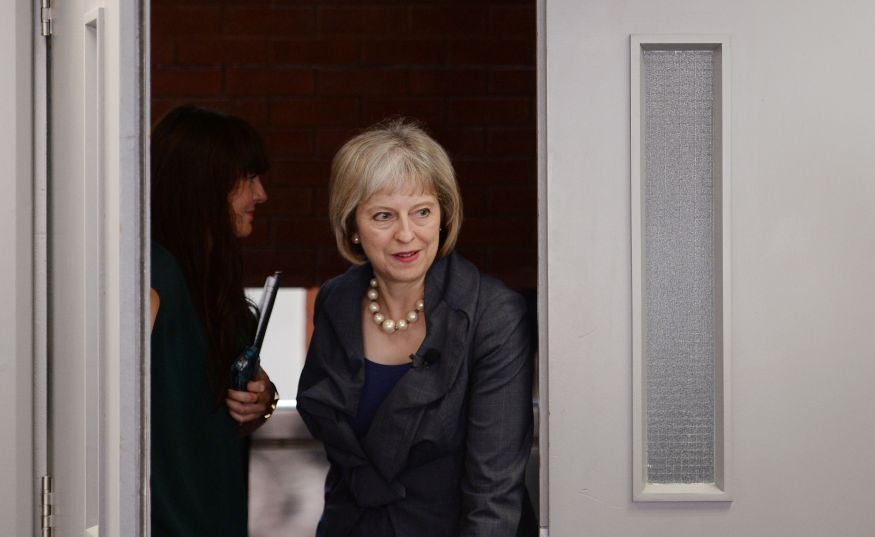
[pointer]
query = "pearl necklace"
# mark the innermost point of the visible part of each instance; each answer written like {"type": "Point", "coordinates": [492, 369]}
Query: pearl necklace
{"type": "Point", "coordinates": [388, 325]}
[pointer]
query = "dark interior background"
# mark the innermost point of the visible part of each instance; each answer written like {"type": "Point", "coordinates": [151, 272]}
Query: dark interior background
{"type": "Point", "coordinates": [310, 74]}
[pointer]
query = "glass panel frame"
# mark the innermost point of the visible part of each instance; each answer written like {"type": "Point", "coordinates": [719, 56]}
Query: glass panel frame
{"type": "Point", "coordinates": [719, 263]}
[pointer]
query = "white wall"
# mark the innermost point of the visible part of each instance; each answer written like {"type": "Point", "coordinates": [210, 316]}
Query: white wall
{"type": "Point", "coordinates": [16, 460]}
{"type": "Point", "coordinates": [285, 343]}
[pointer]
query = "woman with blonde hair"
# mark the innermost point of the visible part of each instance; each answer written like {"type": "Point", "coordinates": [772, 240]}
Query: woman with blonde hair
{"type": "Point", "coordinates": [418, 376]}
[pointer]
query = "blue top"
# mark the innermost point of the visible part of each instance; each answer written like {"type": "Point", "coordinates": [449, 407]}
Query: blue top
{"type": "Point", "coordinates": [379, 381]}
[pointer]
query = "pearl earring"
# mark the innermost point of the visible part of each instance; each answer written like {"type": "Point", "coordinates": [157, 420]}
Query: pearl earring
{"type": "Point", "coordinates": [355, 239]}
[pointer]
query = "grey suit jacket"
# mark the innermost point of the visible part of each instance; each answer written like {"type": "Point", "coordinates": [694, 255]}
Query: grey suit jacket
{"type": "Point", "coordinates": [446, 452]}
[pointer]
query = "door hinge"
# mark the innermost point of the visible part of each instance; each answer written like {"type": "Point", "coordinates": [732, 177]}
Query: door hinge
{"type": "Point", "coordinates": [45, 17]}
{"type": "Point", "coordinates": [47, 504]}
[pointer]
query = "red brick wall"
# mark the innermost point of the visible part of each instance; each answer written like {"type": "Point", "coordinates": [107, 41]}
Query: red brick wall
{"type": "Point", "coordinates": [309, 74]}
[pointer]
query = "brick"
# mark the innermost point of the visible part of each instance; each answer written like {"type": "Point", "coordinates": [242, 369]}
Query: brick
{"type": "Point", "coordinates": [491, 2]}
{"type": "Point", "coordinates": [491, 111]}
{"type": "Point", "coordinates": [186, 83]}
{"type": "Point", "coordinates": [194, 3]}
{"type": "Point", "coordinates": [185, 21]}
{"type": "Point", "coordinates": [517, 268]}
{"type": "Point", "coordinates": [303, 232]}
{"type": "Point", "coordinates": [288, 201]}
{"type": "Point", "coordinates": [175, 3]}
{"type": "Point", "coordinates": [475, 254]}
{"type": "Point", "coordinates": [513, 142]}
{"type": "Point", "coordinates": [369, 20]}
{"type": "Point", "coordinates": [362, 82]}
{"type": "Point", "coordinates": [289, 143]}
{"type": "Point", "coordinates": [274, 82]}
{"type": "Point", "coordinates": [163, 52]}
{"type": "Point", "coordinates": [328, 141]}
{"type": "Point", "coordinates": [358, 3]}
{"type": "Point", "coordinates": [447, 81]}
{"type": "Point", "coordinates": [475, 200]}
{"type": "Point", "coordinates": [297, 266]}
{"type": "Point", "coordinates": [297, 259]}
{"type": "Point", "coordinates": [461, 142]}
{"type": "Point", "coordinates": [428, 111]}
{"type": "Point", "coordinates": [248, 110]}
{"type": "Point", "coordinates": [513, 200]}
{"type": "Point", "coordinates": [222, 52]}
{"type": "Point", "coordinates": [317, 52]}
{"type": "Point", "coordinates": [261, 236]}
{"type": "Point", "coordinates": [339, 111]}
{"type": "Point", "coordinates": [247, 21]}
{"type": "Point", "coordinates": [474, 107]}
{"type": "Point", "coordinates": [520, 52]}
{"type": "Point", "coordinates": [261, 21]}
{"type": "Point", "coordinates": [442, 21]}
{"type": "Point", "coordinates": [490, 230]}
{"type": "Point", "coordinates": [252, 110]}
{"type": "Point", "coordinates": [247, 2]}
{"type": "Point", "coordinates": [404, 52]}
{"type": "Point", "coordinates": [307, 2]}
{"type": "Point", "coordinates": [513, 81]}
{"type": "Point", "coordinates": [300, 172]}
{"type": "Point", "coordinates": [496, 171]}
{"type": "Point", "coordinates": [320, 199]}
{"type": "Point", "coordinates": [330, 263]}
{"type": "Point", "coordinates": [513, 20]}
{"type": "Point", "coordinates": [315, 112]}
{"type": "Point", "coordinates": [159, 108]}
{"type": "Point", "coordinates": [524, 256]}
{"type": "Point", "coordinates": [294, 113]}
{"type": "Point", "coordinates": [521, 278]}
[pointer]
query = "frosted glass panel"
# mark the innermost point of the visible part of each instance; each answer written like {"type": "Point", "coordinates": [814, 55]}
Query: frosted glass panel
{"type": "Point", "coordinates": [679, 264]}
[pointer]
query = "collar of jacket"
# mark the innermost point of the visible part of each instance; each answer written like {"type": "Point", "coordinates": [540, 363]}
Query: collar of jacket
{"type": "Point", "coordinates": [451, 294]}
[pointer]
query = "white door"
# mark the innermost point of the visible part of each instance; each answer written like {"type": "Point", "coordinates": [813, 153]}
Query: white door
{"type": "Point", "coordinates": [95, 236]}
{"type": "Point", "coordinates": [773, 99]}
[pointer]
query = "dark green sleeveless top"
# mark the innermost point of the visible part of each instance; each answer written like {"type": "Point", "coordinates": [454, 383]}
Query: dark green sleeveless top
{"type": "Point", "coordinates": [198, 458]}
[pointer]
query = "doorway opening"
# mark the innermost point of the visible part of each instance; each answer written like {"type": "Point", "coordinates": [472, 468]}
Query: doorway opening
{"type": "Point", "coordinates": [309, 75]}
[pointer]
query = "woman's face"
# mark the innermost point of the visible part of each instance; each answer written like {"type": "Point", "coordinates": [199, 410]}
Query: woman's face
{"type": "Point", "coordinates": [248, 193]}
{"type": "Point", "coordinates": [399, 232]}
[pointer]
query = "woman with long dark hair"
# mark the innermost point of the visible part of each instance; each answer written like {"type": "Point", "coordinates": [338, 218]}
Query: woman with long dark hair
{"type": "Point", "coordinates": [206, 184]}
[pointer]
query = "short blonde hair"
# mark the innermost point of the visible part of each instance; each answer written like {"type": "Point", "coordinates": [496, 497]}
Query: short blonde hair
{"type": "Point", "coordinates": [399, 155]}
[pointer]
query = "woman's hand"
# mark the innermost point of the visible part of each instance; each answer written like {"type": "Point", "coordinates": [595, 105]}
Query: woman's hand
{"type": "Point", "coordinates": [251, 406]}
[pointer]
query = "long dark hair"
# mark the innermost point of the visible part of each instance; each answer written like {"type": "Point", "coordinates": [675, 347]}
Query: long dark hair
{"type": "Point", "coordinates": [198, 156]}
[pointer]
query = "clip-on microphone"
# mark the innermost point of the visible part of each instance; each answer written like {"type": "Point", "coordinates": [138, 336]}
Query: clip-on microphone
{"type": "Point", "coordinates": [422, 362]}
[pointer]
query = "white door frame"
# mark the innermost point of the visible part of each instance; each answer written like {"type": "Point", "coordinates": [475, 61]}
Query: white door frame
{"type": "Point", "coordinates": [124, 460]}
{"type": "Point", "coordinates": [16, 234]}
{"type": "Point", "coordinates": [123, 119]}
{"type": "Point", "coordinates": [124, 490]}
{"type": "Point", "coordinates": [543, 343]}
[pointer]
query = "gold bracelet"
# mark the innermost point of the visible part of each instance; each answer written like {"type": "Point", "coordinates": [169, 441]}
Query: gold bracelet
{"type": "Point", "coordinates": [276, 400]}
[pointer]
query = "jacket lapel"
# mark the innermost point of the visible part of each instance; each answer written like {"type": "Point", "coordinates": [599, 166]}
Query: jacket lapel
{"type": "Point", "coordinates": [452, 287]}
{"type": "Point", "coordinates": [345, 312]}
{"type": "Point", "coordinates": [339, 349]}
{"type": "Point", "coordinates": [394, 428]}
